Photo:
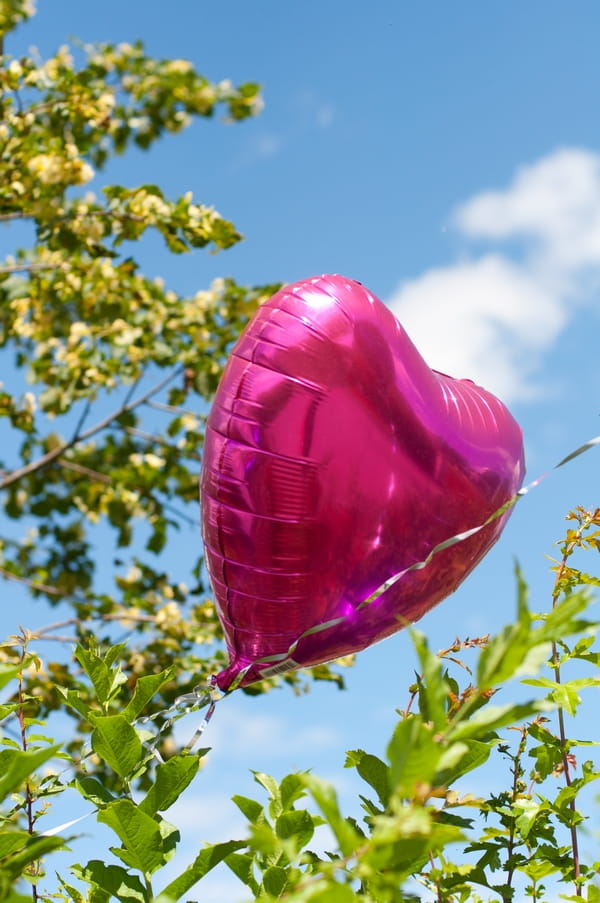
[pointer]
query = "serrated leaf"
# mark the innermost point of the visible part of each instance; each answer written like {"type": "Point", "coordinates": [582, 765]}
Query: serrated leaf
{"type": "Point", "coordinates": [372, 770]}
{"type": "Point", "coordinates": [253, 811]}
{"type": "Point", "coordinates": [296, 825]}
{"type": "Point", "coordinates": [93, 790]}
{"type": "Point", "coordinates": [113, 880]}
{"type": "Point", "coordinates": [172, 778]}
{"type": "Point", "coordinates": [326, 799]}
{"type": "Point", "coordinates": [139, 833]}
{"type": "Point", "coordinates": [36, 847]}
{"type": "Point", "coordinates": [593, 893]}
{"type": "Point", "coordinates": [493, 717]}
{"type": "Point", "coordinates": [274, 880]}
{"type": "Point", "coordinates": [19, 765]}
{"type": "Point", "coordinates": [206, 860]}
{"type": "Point", "coordinates": [459, 759]}
{"type": "Point", "coordinates": [8, 673]}
{"type": "Point", "coordinates": [242, 864]}
{"type": "Point", "coordinates": [106, 680]}
{"type": "Point", "coordinates": [145, 689]}
{"type": "Point", "coordinates": [11, 841]}
{"type": "Point", "coordinates": [290, 790]}
{"type": "Point", "coordinates": [71, 891]}
{"type": "Point", "coordinates": [272, 788]}
{"type": "Point", "coordinates": [414, 756]}
{"type": "Point", "coordinates": [116, 741]}
{"type": "Point", "coordinates": [74, 700]}
{"type": "Point", "coordinates": [433, 689]}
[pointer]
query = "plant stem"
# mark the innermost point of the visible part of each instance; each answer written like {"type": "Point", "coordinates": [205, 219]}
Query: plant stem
{"type": "Point", "coordinates": [29, 797]}
{"type": "Point", "coordinates": [517, 773]}
{"type": "Point", "coordinates": [584, 523]}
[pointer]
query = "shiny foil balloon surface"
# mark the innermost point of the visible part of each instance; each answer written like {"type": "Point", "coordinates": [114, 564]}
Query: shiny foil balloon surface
{"type": "Point", "coordinates": [335, 458]}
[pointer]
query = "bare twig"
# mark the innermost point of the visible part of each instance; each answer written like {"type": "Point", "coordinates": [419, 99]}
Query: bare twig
{"type": "Point", "coordinates": [16, 214]}
{"type": "Point", "coordinates": [109, 616]}
{"type": "Point", "coordinates": [56, 638]}
{"type": "Point", "coordinates": [171, 409]}
{"type": "Point", "coordinates": [28, 267]}
{"type": "Point", "coordinates": [32, 584]}
{"type": "Point", "coordinates": [84, 471]}
{"type": "Point", "coordinates": [51, 456]}
{"type": "Point", "coordinates": [83, 418]}
{"type": "Point", "coordinates": [152, 437]}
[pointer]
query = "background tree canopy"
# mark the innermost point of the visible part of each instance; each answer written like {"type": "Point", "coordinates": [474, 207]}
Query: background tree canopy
{"type": "Point", "coordinates": [109, 372]}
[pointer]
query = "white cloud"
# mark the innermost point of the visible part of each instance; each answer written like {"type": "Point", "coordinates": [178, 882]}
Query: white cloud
{"type": "Point", "coordinates": [556, 201]}
{"type": "Point", "coordinates": [324, 115]}
{"type": "Point", "coordinates": [239, 733]}
{"type": "Point", "coordinates": [491, 318]}
{"type": "Point", "coordinates": [268, 145]}
{"type": "Point", "coordinates": [487, 320]}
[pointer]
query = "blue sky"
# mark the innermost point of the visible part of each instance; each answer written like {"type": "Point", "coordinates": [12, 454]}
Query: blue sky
{"type": "Point", "coordinates": [448, 157]}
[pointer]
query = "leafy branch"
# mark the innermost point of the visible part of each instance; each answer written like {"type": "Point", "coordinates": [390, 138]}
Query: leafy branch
{"type": "Point", "coordinates": [55, 453]}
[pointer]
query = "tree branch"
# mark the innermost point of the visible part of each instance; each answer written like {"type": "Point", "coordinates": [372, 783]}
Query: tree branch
{"type": "Point", "coordinates": [151, 437]}
{"type": "Point", "coordinates": [29, 267]}
{"type": "Point", "coordinates": [32, 584]}
{"type": "Point", "coordinates": [51, 456]}
{"type": "Point", "coordinates": [20, 214]}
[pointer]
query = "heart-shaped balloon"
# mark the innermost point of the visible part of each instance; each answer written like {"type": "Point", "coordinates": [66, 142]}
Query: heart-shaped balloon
{"type": "Point", "coordinates": [334, 459]}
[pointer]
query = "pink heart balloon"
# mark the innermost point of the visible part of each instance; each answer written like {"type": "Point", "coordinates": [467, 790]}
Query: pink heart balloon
{"type": "Point", "coordinates": [335, 458]}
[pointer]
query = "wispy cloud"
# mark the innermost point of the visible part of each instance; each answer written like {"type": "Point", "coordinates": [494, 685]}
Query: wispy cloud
{"type": "Point", "coordinates": [308, 114]}
{"type": "Point", "coordinates": [491, 317]}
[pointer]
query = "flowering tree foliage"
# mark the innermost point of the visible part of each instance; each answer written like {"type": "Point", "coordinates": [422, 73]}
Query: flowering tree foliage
{"type": "Point", "coordinates": [107, 379]}
{"type": "Point", "coordinates": [108, 372]}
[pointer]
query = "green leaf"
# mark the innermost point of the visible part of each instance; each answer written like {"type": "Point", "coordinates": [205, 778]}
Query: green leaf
{"type": "Point", "coordinates": [527, 811]}
{"type": "Point", "coordinates": [326, 799]}
{"type": "Point", "coordinates": [36, 847]}
{"type": "Point", "coordinates": [459, 759]}
{"type": "Point", "coordinates": [515, 649]}
{"type": "Point", "coordinates": [562, 621]}
{"type": "Point", "coordinates": [11, 841]}
{"type": "Point", "coordinates": [140, 835]}
{"type": "Point", "coordinates": [71, 891]}
{"type": "Point", "coordinates": [272, 788]}
{"type": "Point", "coordinates": [593, 893]}
{"type": "Point", "coordinates": [17, 765]}
{"type": "Point", "coordinates": [74, 700]}
{"type": "Point", "coordinates": [106, 680]}
{"type": "Point", "coordinates": [93, 790]}
{"type": "Point", "coordinates": [494, 717]}
{"type": "Point", "coordinates": [11, 895]}
{"type": "Point", "coordinates": [274, 880]}
{"type": "Point", "coordinates": [206, 860]}
{"type": "Point", "coordinates": [8, 673]}
{"type": "Point", "coordinates": [296, 825]}
{"type": "Point", "coordinates": [325, 891]}
{"type": "Point", "coordinates": [433, 688]}
{"type": "Point", "coordinates": [242, 865]}
{"type": "Point", "coordinates": [113, 880]}
{"type": "Point", "coordinates": [145, 689]}
{"type": "Point", "coordinates": [372, 770]}
{"type": "Point", "coordinates": [253, 811]}
{"type": "Point", "coordinates": [414, 755]}
{"type": "Point", "coordinates": [116, 741]}
{"type": "Point", "coordinates": [172, 777]}
{"type": "Point", "coordinates": [291, 789]}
